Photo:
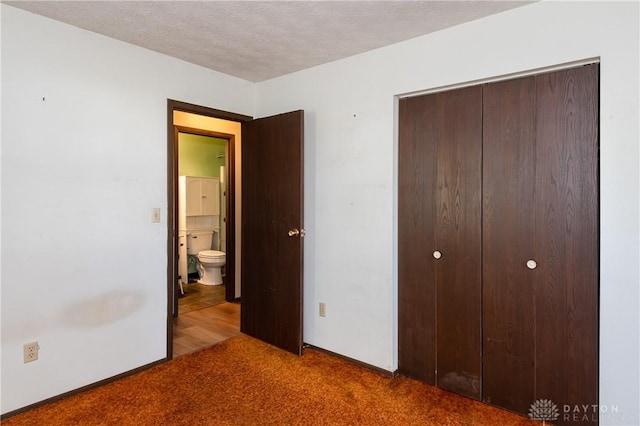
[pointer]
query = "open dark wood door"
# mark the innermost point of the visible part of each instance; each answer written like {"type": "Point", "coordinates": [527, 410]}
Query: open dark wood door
{"type": "Point", "coordinates": [272, 229]}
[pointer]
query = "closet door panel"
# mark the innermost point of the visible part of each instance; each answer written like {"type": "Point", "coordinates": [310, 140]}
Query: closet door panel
{"type": "Point", "coordinates": [567, 236]}
{"type": "Point", "coordinates": [416, 218]}
{"type": "Point", "coordinates": [509, 113]}
{"type": "Point", "coordinates": [458, 239]}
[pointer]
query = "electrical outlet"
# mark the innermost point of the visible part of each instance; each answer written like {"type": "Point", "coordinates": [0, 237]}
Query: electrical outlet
{"type": "Point", "coordinates": [30, 351]}
{"type": "Point", "coordinates": [323, 309]}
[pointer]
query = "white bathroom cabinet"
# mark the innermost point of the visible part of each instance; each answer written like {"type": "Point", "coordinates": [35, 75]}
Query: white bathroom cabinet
{"type": "Point", "coordinates": [202, 196]}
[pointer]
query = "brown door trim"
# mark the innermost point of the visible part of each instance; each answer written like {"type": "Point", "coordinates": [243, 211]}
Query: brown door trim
{"type": "Point", "coordinates": [206, 111]}
{"type": "Point", "coordinates": [172, 210]}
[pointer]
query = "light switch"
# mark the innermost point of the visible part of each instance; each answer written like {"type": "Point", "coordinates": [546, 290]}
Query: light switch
{"type": "Point", "coordinates": [155, 215]}
{"type": "Point", "coordinates": [323, 309]}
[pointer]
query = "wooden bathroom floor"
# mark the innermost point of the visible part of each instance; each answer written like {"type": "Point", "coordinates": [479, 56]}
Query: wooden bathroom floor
{"type": "Point", "coordinates": [198, 296]}
{"type": "Point", "coordinates": [204, 318]}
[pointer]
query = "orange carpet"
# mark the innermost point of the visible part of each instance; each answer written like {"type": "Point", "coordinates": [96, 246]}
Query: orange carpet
{"type": "Point", "coordinates": [243, 381]}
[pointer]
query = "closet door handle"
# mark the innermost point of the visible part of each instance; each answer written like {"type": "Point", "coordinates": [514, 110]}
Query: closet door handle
{"type": "Point", "coordinates": [531, 264]}
{"type": "Point", "coordinates": [437, 254]}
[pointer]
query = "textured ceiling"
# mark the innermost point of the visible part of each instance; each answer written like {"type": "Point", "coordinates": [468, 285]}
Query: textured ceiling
{"type": "Point", "coordinates": [258, 40]}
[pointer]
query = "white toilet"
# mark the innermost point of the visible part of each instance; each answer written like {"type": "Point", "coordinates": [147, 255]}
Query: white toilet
{"type": "Point", "coordinates": [210, 262]}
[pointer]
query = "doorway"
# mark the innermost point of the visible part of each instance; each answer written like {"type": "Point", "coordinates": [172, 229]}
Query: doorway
{"type": "Point", "coordinates": [197, 120]}
{"type": "Point", "coordinates": [202, 170]}
{"type": "Point", "coordinates": [268, 277]}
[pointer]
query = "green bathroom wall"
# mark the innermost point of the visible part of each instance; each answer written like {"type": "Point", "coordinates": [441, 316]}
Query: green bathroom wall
{"type": "Point", "coordinates": [198, 155]}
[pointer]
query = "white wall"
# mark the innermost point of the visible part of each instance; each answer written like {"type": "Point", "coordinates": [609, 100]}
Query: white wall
{"type": "Point", "coordinates": [350, 176]}
{"type": "Point", "coordinates": [84, 136]}
{"type": "Point", "coordinates": [82, 170]}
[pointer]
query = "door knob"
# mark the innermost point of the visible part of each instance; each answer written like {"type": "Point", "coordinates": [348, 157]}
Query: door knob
{"type": "Point", "coordinates": [531, 264]}
{"type": "Point", "coordinates": [294, 231]}
{"type": "Point", "coordinates": [437, 254]}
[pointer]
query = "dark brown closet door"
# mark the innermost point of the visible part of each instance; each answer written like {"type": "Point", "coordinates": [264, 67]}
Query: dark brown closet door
{"type": "Point", "coordinates": [566, 237]}
{"type": "Point", "coordinates": [416, 219]}
{"type": "Point", "coordinates": [439, 214]}
{"type": "Point", "coordinates": [509, 112]}
{"type": "Point", "coordinates": [540, 241]}
{"type": "Point", "coordinates": [458, 239]}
